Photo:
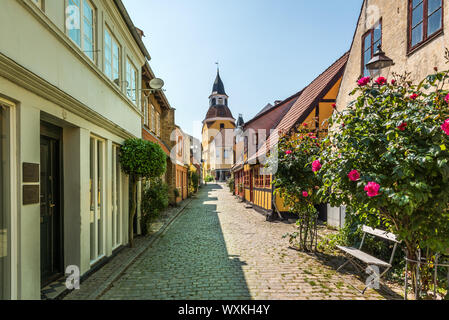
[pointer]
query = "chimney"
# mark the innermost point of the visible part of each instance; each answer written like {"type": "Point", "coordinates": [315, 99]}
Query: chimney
{"type": "Point", "coordinates": [140, 32]}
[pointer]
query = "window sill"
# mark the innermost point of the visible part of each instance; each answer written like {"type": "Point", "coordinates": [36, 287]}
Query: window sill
{"type": "Point", "coordinates": [425, 42]}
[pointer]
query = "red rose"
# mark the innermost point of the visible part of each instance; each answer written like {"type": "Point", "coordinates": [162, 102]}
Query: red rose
{"type": "Point", "coordinates": [403, 126]}
{"type": "Point", "coordinates": [381, 81]}
{"type": "Point", "coordinates": [413, 96]}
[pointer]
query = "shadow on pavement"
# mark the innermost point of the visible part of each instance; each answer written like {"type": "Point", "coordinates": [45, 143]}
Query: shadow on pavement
{"type": "Point", "coordinates": [336, 261]}
{"type": "Point", "coordinates": [190, 261]}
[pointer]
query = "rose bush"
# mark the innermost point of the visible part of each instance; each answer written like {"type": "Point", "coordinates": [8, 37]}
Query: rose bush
{"type": "Point", "coordinates": [297, 180]}
{"type": "Point", "coordinates": [395, 136]}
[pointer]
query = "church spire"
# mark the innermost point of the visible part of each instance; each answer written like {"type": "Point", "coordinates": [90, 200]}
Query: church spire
{"type": "Point", "coordinates": [218, 87]}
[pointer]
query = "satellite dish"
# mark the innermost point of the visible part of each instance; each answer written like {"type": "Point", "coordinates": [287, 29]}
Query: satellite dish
{"type": "Point", "coordinates": [156, 83]}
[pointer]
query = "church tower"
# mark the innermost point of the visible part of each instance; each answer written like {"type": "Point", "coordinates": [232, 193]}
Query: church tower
{"type": "Point", "coordinates": [217, 134]}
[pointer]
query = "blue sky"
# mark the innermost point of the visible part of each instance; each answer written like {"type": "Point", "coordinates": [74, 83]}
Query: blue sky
{"type": "Point", "coordinates": [267, 49]}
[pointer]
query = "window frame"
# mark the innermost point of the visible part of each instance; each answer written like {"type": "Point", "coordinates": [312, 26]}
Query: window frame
{"type": "Point", "coordinates": [146, 116]}
{"type": "Point", "coordinates": [94, 57]}
{"type": "Point", "coordinates": [373, 50]}
{"type": "Point", "coordinates": [426, 38]}
{"type": "Point", "coordinates": [119, 58]}
{"type": "Point", "coordinates": [129, 65]}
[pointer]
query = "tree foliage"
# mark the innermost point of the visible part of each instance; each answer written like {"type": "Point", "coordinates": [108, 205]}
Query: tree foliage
{"type": "Point", "coordinates": [140, 159]}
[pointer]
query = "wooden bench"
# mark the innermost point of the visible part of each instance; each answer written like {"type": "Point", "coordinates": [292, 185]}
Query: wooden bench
{"type": "Point", "coordinates": [354, 255]}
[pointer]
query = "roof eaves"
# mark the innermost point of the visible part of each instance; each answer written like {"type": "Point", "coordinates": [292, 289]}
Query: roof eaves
{"type": "Point", "coordinates": [132, 28]}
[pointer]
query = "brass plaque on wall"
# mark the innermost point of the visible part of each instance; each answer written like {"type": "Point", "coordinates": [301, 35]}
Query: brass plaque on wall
{"type": "Point", "coordinates": [31, 172]}
{"type": "Point", "coordinates": [30, 194]}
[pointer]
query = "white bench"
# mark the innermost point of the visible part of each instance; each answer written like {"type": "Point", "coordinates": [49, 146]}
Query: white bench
{"type": "Point", "coordinates": [354, 254]}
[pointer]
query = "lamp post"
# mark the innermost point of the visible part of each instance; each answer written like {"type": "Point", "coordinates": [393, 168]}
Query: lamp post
{"type": "Point", "coordinates": [379, 62]}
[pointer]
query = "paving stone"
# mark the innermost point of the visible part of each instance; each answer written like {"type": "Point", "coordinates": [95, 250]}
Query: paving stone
{"type": "Point", "coordinates": [218, 249]}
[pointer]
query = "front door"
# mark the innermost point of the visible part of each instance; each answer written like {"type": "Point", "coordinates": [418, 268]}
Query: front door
{"type": "Point", "coordinates": [50, 219]}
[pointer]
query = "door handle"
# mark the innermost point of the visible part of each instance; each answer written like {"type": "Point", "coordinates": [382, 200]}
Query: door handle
{"type": "Point", "coordinates": [52, 205]}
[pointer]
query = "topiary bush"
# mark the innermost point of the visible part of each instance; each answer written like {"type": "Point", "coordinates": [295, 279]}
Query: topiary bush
{"type": "Point", "coordinates": [140, 159]}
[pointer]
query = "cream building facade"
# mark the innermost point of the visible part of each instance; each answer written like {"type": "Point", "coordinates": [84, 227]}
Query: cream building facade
{"type": "Point", "coordinates": [411, 32]}
{"type": "Point", "coordinates": [70, 75]}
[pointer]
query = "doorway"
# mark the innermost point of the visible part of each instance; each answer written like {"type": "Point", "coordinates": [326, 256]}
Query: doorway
{"type": "Point", "coordinates": [50, 193]}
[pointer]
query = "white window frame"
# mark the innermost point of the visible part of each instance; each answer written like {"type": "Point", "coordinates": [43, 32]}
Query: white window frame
{"type": "Point", "coordinates": [89, 52]}
{"type": "Point", "coordinates": [130, 71]}
{"type": "Point", "coordinates": [145, 111]}
{"type": "Point", "coordinates": [98, 214]}
{"type": "Point", "coordinates": [158, 124]}
{"type": "Point", "coordinates": [153, 118]}
{"type": "Point", "coordinates": [115, 63]}
{"type": "Point", "coordinates": [10, 198]}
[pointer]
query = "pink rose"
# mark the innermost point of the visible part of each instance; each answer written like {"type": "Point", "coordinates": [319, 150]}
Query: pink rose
{"type": "Point", "coordinates": [445, 127]}
{"type": "Point", "coordinates": [305, 194]}
{"type": "Point", "coordinates": [372, 189]}
{"type": "Point", "coordinates": [363, 81]}
{"type": "Point", "coordinates": [413, 96]}
{"type": "Point", "coordinates": [381, 81]}
{"type": "Point", "coordinates": [447, 98]}
{"type": "Point", "coordinates": [316, 166]}
{"type": "Point", "coordinates": [288, 152]}
{"type": "Point", "coordinates": [354, 175]}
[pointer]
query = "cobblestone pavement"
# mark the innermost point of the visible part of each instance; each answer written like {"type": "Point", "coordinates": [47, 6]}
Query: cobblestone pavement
{"type": "Point", "coordinates": [217, 249]}
{"type": "Point", "coordinates": [96, 283]}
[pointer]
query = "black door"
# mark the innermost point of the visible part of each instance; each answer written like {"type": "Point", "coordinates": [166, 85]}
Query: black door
{"type": "Point", "coordinates": [51, 233]}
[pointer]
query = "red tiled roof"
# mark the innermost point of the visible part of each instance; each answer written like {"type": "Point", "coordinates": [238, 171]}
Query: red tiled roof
{"type": "Point", "coordinates": [307, 101]}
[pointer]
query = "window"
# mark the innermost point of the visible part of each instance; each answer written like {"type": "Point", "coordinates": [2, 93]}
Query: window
{"type": "Point", "coordinates": [116, 198]}
{"type": "Point", "coordinates": [145, 111]}
{"type": "Point", "coordinates": [370, 41]}
{"type": "Point", "coordinates": [97, 209]}
{"type": "Point", "coordinates": [131, 78]}
{"type": "Point", "coordinates": [226, 154]}
{"type": "Point", "coordinates": [111, 58]}
{"type": "Point", "coordinates": [218, 153]}
{"type": "Point", "coordinates": [81, 25]}
{"type": "Point", "coordinates": [222, 126]}
{"type": "Point", "coordinates": [153, 119]}
{"type": "Point", "coordinates": [158, 124]}
{"type": "Point", "coordinates": [425, 20]}
{"type": "Point", "coordinates": [267, 181]}
{"type": "Point", "coordinates": [179, 146]}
